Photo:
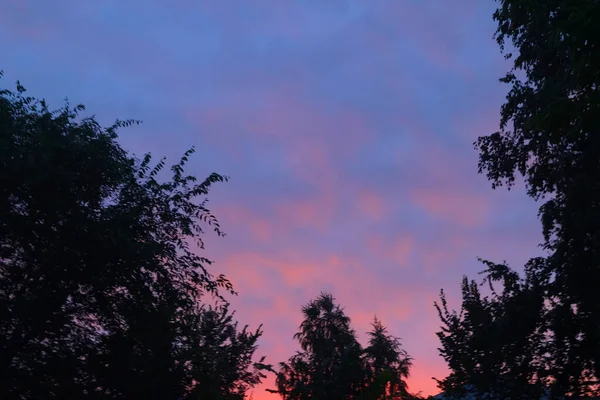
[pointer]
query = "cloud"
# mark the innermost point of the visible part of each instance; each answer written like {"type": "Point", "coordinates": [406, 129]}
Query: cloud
{"type": "Point", "coordinates": [371, 205]}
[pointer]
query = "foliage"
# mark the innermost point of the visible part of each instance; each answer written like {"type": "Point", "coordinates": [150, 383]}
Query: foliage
{"type": "Point", "coordinates": [388, 364]}
{"type": "Point", "coordinates": [548, 134]}
{"type": "Point", "coordinates": [491, 345]}
{"type": "Point", "coordinates": [333, 364]}
{"type": "Point", "coordinates": [100, 281]}
{"type": "Point", "coordinates": [222, 365]}
{"type": "Point", "coordinates": [329, 366]}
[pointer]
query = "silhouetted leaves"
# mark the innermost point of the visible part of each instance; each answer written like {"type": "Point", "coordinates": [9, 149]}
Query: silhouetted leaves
{"type": "Point", "coordinates": [543, 328]}
{"type": "Point", "coordinates": [330, 365]}
{"type": "Point", "coordinates": [491, 345]}
{"type": "Point", "coordinates": [333, 364]}
{"type": "Point", "coordinates": [222, 365]}
{"type": "Point", "coordinates": [100, 278]}
{"type": "Point", "coordinates": [388, 364]}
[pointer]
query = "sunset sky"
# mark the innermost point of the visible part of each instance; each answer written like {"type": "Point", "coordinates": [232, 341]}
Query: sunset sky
{"type": "Point", "coordinates": [345, 125]}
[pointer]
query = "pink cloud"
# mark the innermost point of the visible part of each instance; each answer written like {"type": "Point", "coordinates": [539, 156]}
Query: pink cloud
{"type": "Point", "coordinates": [306, 138]}
{"type": "Point", "coordinates": [350, 280]}
{"type": "Point", "coordinates": [316, 212]}
{"type": "Point", "coordinates": [436, 259]}
{"type": "Point", "coordinates": [397, 250]}
{"type": "Point", "coordinates": [372, 205]}
{"type": "Point", "coordinates": [284, 113]}
{"type": "Point", "coordinates": [449, 187]}
{"type": "Point", "coordinates": [261, 229]}
{"type": "Point", "coordinates": [462, 208]}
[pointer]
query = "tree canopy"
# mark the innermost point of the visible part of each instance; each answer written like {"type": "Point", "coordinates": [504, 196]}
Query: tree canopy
{"type": "Point", "coordinates": [547, 320]}
{"type": "Point", "coordinates": [102, 282]}
{"type": "Point", "coordinates": [333, 364]}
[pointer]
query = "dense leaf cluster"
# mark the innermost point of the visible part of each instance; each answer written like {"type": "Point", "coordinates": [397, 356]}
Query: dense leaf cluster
{"type": "Point", "coordinates": [101, 283]}
{"type": "Point", "coordinates": [543, 329]}
{"type": "Point", "coordinates": [333, 365]}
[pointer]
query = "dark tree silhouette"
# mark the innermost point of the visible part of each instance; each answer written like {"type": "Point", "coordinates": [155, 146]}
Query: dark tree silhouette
{"type": "Point", "coordinates": [330, 364]}
{"type": "Point", "coordinates": [100, 281]}
{"type": "Point", "coordinates": [491, 345]}
{"type": "Point", "coordinates": [333, 364]}
{"type": "Point", "coordinates": [388, 364]}
{"type": "Point", "coordinates": [222, 365]}
{"type": "Point", "coordinates": [549, 135]}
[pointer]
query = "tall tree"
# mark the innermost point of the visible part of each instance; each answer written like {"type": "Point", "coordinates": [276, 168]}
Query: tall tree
{"type": "Point", "coordinates": [100, 280]}
{"type": "Point", "coordinates": [333, 364]}
{"type": "Point", "coordinates": [330, 364]}
{"type": "Point", "coordinates": [388, 364]}
{"type": "Point", "coordinates": [549, 135]}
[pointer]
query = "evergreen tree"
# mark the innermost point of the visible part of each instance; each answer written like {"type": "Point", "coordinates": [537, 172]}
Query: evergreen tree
{"type": "Point", "coordinates": [333, 364]}
{"type": "Point", "coordinates": [330, 364]}
{"type": "Point", "coordinates": [388, 364]}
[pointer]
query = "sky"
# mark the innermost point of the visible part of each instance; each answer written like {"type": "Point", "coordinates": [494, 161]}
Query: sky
{"type": "Point", "coordinates": [347, 129]}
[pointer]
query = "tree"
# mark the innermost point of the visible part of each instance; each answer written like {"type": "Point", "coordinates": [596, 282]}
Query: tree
{"type": "Point", "coordinates": [333, 364]}
{"type": "Point", "coordinates": [491, 346]}
{"type": "Point", "coordinates": [222, 366]}
{"type": "Point", "coordinates": [100, 281]}
{"type": "Point", "coordinates": [388, 364]}
{"type": "Point", "coordinates": [330, 365]}
{"type": "Point", "coordinates": [548, 134]}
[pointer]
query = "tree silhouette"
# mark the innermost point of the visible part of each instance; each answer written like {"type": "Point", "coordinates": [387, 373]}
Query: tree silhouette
{"type": "Point", "coordinates": [333, 364]}
{"type": "Point", "coordinates": [100, 277]}
{"type": "Point", "coordinates": [222, 366]}
{"type": "Point", "coordinates": [491, 345]}
{"type": "Point", "coordinates": [548, 134]}
{"type": "Point", "coordinates": [330, 366]}
{"type": "Point", "coordinates": [388, 364]}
